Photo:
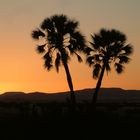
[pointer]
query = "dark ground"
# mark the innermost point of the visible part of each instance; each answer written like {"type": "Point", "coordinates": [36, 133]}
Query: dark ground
{"type": "Point", "coordinates": [54, 120]}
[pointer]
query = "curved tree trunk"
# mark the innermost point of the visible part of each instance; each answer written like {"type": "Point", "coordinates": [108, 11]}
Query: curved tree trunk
{"type": "Point", "coordinates": [95, 95]}
{"type": "Point", "coordinates": [69, 80]}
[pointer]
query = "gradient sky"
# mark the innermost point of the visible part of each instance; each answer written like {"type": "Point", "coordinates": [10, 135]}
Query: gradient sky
{"type": "Point", "coordinates": [21, 68]}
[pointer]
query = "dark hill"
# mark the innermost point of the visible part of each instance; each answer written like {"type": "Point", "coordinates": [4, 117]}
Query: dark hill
{"type": "Point", "coordinates": [105, 95]}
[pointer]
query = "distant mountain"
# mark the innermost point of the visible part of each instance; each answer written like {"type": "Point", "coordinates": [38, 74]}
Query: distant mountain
{"type": "Point", "coordinates": [105, 95]}
{"type": "Point", "coordinates": [12, 94]}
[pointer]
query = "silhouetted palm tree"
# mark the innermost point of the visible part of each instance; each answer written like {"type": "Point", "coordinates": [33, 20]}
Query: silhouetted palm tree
{"type": "Point", "coordinates": [59, 38]}
{"type": "Point", "coordinates": [107, 46]}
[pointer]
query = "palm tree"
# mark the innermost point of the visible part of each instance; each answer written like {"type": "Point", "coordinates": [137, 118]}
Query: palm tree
{"type": "Point", "coordinates": [107, 47]}
{"type": "Point", "coordinates": [58, 38]}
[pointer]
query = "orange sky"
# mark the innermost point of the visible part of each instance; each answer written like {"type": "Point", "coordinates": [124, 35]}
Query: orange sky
{"type": "Point", "coordinates": [22, 68]}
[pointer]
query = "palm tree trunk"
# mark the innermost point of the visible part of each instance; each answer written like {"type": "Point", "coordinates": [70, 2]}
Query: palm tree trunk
{"type": "Point", "coordinates": [69, 79]}
{"type": "Point", "coordinates": [95, 95]}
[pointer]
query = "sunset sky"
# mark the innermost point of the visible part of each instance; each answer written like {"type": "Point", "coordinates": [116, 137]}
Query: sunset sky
{"type": "Point", "coordinates": [21, 68]}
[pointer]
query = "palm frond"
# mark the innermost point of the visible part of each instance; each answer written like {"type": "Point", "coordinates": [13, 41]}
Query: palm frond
{"type": "Point", "coordinates": [88, 50]}
{"type": "Point", "coordinates": [94, 46]}
{"type": "Point", "coordinates": [48, 61]}
{"type": "Point", "coordinates": [47, 25]}
{"type": "Point", "coordinates": [117, 36]}
{"type": "Point", "coordinates": [97, 41]}
{"type": "Point", "coordinates": [107, 66]}
{"type": "Point", "coordinates": [90, 60]}
{"type": "Point", "coordinates": [59, 22]}
{"type": "Point", "coordinates": [37, 33]}
{"type": "Point", "coordinates": [71, 49]}
{"type": "Point", "coordinates": [128, 49]}
{"type": "Point", "coordinates": [53, 38]}
{"type": "Point", "coordinates": [119, 68]}
{"type": "Point", "coordinates": [41, 48]}
{"type": "Point", "coordinates": [96, 71]}
{"type": "Point", "coordinates": [98, 57]}
{"type": "Point", "coordinates": [78, 41]}
{"type": "Point", "coordinates": [114, 50]}
{"type": "Point", "coordinates": [79, 58]}
{"type": "Point", "coordinates": [57, 61]}
{"type": "Point", "coordinates": [70, 26]}
{"type": "Point", "coordinates": [123, 59]}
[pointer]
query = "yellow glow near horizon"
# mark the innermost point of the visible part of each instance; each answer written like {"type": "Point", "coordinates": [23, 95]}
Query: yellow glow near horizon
{"type": "Point", "coordinates": [22, 68]}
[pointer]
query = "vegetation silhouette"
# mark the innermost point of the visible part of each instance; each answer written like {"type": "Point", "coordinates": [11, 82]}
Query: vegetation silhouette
{"type": "Point", "coordinates": [59, 38]}
{"type": "Point", "coordinates": [107, 47]}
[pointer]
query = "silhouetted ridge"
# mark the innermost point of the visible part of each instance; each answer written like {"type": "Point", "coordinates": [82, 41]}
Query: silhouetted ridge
{"type": "Point", "coordinates": [105, 95]}
{"type": "Point", "coordinates": [12, 93]}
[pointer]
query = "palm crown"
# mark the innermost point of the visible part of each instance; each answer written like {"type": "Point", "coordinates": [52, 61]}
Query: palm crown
{"type": "Point", "coordinates": [108, 46]}
{"type": "Point", "coordinates": [58, 36]}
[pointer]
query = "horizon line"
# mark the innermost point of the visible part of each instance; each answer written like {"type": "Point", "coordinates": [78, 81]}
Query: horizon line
{"type": "Point", "coordinates": [65, 91]}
